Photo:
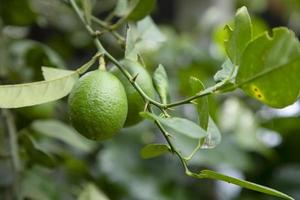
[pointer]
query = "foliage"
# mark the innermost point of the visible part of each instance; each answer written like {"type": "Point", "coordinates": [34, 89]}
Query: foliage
{"type": "Point", "coordinates": [264, 66]}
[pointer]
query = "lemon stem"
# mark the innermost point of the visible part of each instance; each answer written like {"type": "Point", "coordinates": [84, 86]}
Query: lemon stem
{"type": "Point", "coordinates": [102, 64]}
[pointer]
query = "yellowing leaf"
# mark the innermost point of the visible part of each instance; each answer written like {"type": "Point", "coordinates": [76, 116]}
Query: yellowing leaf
{"type": "Point", "coordinates": [270, 68]}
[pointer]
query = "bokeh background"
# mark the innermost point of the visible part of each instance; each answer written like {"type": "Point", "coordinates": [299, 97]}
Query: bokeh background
{"type": "Point", "coordinates": [259, 144]}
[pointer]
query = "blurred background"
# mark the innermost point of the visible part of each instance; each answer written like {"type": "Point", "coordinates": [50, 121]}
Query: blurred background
{"type": "Point", "coordinates": [259, 144]}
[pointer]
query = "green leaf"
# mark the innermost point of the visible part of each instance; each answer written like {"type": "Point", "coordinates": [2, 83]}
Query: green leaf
{"type": "Point", "coordinates": [214, 136]}
{"type": "Point", "coordinates": [28, 94]}
{"type": "Point", "coordinates": [226, 76]}
{"type": "Point", "coordinates": [22, 50]}
{"type": "Point", "coordinates": [34, 153]}
{"type": "Point", "coordinates": [154, 150]}
{"type": "Point", "coordinates": [140, 9]}
{"type": "Point", "coordinates": [245, 184]}
{"type": "Point", "coordinates": [87, 65]}
{"type": "Point", "coordinates": [91, 192]}
{"type": "Point", "coordinates": [202, 103]}
{"type": "Point", "coordinates": [51, 73]}
{"type": "Point", "coordinates": [131, 51]}
{"type": "Point", "coordinates": [227, 72]}
{"type": "Point", "coordinates": [179, 125]}
{"type": "Point", "coordinates": [270, 68]}
{"type": "Point", "coordinates": [160, 80]}
{"type": "Point", "coordinates": [58, 130]}
{"type": "Point", "coordinates": [149, 35]}
{"type": "Point", "coordinates": [144, 35]}
{"type": "Point", "coordinates": [121, 8]}
{"type": "Point", "coordinates": [87, 8]}
{"type": "Point", "coordinates": [58, 84]}
{"type": "Point", "coordinates": [239, 36]}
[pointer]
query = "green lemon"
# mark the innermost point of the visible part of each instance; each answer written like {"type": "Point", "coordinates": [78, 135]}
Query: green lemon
{"type": "Point", "coordinates": [42, 111]}
{"type": "Point", "coordinates": [135, 102]}
{"type": "Point", "coordinates": [98, 105]}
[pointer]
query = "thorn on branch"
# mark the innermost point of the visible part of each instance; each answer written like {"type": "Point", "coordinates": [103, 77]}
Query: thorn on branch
{"type": "Point", "coordinates": [133, 79]}
{"type": "Point", "coordinates": [146, 106]}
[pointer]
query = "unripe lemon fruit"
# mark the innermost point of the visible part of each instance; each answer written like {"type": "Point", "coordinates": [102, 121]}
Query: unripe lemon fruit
{"type": "Point", "coordinates": [136, 103]}
{"type": "Point", "coordinates": [98, 105]}
{"type": "Point", "coordinates": [42, 111]}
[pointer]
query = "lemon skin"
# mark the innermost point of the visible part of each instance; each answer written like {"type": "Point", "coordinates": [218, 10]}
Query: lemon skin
{"type": "Point", "coordinates": [98, 105]}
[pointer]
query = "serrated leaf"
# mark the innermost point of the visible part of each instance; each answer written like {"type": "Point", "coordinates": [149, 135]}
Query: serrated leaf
{"type": "Point", "coordinates": [202, 103]}
{"type": "Point", "coordinates": [87, 8]}
{"type": "Point", "coordinates": [245, 184]}
{"type": "Point", "coordinates": [63, 132]}
{"type": "Point", "coordinates": [91, 192]}
{"type": "Point", "coordinates": [154, 150]}
{"type": "Point", "coordinates": [179, 125]}
{"type": "Point", "coordinates": [270, 68]}
{"type": "Point", "coordinates": [239, 36]}
{"type": "Point", "coordinates": [140, 9]}
{"type": "Point", "coordinates": [161, 84]}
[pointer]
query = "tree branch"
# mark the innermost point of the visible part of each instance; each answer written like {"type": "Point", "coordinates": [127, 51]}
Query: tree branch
{"type": "Point", "coordinates": [14, 151]}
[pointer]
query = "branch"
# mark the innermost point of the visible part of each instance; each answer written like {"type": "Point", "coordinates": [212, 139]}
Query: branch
{"type": "Point", "coordinates": [14, 150]}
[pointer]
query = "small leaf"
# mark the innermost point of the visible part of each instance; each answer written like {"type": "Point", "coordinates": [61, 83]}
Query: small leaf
{"type": "Point", "coordinates": [270, 68]}
{"type": "Point", "coordinates": [214, 136]}
{"type": "Point", "coordinates": [131, 51]}
{"type": "Point", "coordinates": [245, 184]}
{"type": "Point", "coordinates": [35, 154]}
{"type": "Point", "coordinates": [227, 72]}
{"type": "Point", "coordinates": [140, 9]}
{"type": "Point", "coordinates": [63, 132]}
{"type": "Point", "coordinates": [150, 37]}
{"type": "Point", "coordinates": [179, 125]}
{"type": "Point", "coordinates": [21, 49]}
{"type": "Point", "coordinates": [239, 36]}
{"type": "Point", "coordinates": [202, 103]}
{"type": "Point", "coordinates": [144, 35]}
{"type": "Point", "coordinates": [160, 80]}
{"type": "Point", "coordinates": [154, 150]}
{"type": "Point", "coordinates": [91, 192]}
{"type": "Point", "coordinates": [87, 8]}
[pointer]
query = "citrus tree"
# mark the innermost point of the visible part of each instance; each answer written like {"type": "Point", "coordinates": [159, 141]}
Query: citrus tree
{"type": "Point", "coordinates": [122, 92]}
